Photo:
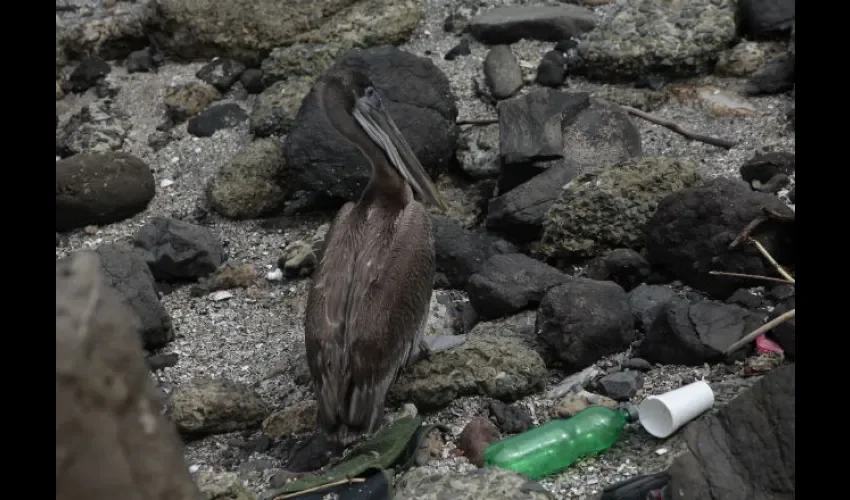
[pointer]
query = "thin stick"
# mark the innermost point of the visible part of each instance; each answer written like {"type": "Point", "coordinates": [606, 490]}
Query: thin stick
{"type": "Point", "coordinates": [770, 259]}
{"type": "Point", "coordinates": [778, 216]}
{"type": "Point", "coordinates": [748, 230]}
{"type": "Point", "coordinates": [782, 318]}
{"type": "Point", "coordinates": [675, 127]}
{"type": "Point", "coordinates": [752, 276]}
{"type": "Point", "coordinates": [483, 121]}
{"type": "Point", "coordinates": [317, 488]}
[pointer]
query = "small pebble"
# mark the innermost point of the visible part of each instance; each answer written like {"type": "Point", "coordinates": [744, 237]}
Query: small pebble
{"type": "Point", "coordinates": [651, 82]}
{"type": "Point", "coordinates": [159, 362]}
{"type": "Point", "coordinates": [275, 275]}
{"type": "Point", "coordinates": [782, 292]}
{"type": "Point", "coordinates": [252, 80]}
{"type": "Point", "coordinates": [221, 295]}
{"type": "Point", "coordinates": [566, 45]}
{"type": "Point", "coordinates": [638, 364]}
{"type": "Point", "coordinates": [140, 61]}
{"type": "Point", "coordinates": [552, 69]}
{"type": "Point", "coordinates": [621, 386]}
{"type": "Point", "coordinates": [280, 478]}
{"type": "Point", "coordinates": [461, 49]}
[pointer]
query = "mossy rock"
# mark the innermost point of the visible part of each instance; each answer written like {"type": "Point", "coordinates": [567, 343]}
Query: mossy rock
{"type": "Point", "coordinates": [610, 207]}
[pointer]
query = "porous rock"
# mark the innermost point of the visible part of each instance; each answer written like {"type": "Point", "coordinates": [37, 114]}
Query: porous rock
{"type": "Point", "coordinates": [187, 100]}
{"type": "Point", "coordinates": [108, 423]}
{"type": "Point", "coordinates": [95, 128]}
{"type": "Point", "coordinates": [499, 367]}
{"type": "Point", "coordinates": [275, 109]}
{"type": "Point", "coordinates": [519, 327]}
{"type": "Point", "coordinates": [583, 320]}
{"type": "Point", "coordinates": [367, 23]}
{"type": "Point", "coordinates": [609, 208]}
{"type": "Point", "coordinates": [107, 33]}
{"type": "Point", "coordinates": [250, 185]}
{"type": "Point", "coordinates": [206, 406]}
{"type": "Point", "coordinates": [247, 30]}
{"type": "Point", "coordinates": [655, 36]}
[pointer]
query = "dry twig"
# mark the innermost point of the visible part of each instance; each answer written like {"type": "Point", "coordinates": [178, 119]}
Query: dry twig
{"type": "Point", "coordinates": [751, 276]}
{"type": "Point", "coordinates": [675, 127]}
{"type": "Point", "coordinates": [482, 121]}
{"type": "Point", "coordinates": [788, 279]}
{"type": "Point", "coordinates": [671, 125]}
{"type": "Point", "coordinates": [772, 261]}
{"type": "Point", "coordinates": [773, 214]}
{"type": "Point", "coordinates": [322, 487]}
{"type": "Point", "coordinates": [748, 230]}
{"type": "Point", "coordinates": [782, 318]}
{"type": "Point", "coordinates": [769, 214]}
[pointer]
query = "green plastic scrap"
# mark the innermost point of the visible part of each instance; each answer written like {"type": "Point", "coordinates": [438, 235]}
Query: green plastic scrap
{"type": "Point", "coordinates": [389, 446]}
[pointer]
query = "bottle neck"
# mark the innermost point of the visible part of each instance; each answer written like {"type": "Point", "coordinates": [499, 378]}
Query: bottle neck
{"type": "Point", "coordinates": [630, 413]}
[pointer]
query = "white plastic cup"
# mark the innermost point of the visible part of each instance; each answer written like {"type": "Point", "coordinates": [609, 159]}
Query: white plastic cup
{"type": "Point", "coordinates": [664, 414]}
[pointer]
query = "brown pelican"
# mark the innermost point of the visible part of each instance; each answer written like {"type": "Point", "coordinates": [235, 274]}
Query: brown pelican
{"type": "Point", "coordinates": [372, 287]}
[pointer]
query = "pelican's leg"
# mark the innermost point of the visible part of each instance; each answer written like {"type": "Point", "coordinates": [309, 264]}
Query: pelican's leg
{"type": "Point", "coordinates": [432, 344]}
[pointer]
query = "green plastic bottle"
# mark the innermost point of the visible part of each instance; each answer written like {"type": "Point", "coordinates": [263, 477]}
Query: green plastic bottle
{"type": "Point", "coordinates": [555, 445]}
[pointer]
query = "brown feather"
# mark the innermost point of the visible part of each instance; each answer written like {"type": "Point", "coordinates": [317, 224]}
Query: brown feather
{"type": "Point", "coordinates": [366, 310]}
{"type": "Point", "coordinates": [325, 319]}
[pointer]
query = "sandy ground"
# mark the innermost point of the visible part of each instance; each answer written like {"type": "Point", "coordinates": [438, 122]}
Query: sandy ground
{"type": "Point", "coordinates": [259, 331]}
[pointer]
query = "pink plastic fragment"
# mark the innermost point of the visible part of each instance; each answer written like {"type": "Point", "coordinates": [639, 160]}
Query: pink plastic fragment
{"type": "Point", "coordinates": [764, 344]}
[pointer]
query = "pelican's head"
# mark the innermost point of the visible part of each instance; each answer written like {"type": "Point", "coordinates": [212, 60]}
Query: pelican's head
{"type": "Point", "coordinates": [353, 105]}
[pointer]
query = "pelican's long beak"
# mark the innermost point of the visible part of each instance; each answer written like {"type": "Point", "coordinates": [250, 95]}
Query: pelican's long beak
{"type": "Point", "coordinates": [373, 117]}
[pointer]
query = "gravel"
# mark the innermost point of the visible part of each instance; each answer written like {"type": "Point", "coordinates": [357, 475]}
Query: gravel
{"type": "Point", "coordinates": [254, 336]}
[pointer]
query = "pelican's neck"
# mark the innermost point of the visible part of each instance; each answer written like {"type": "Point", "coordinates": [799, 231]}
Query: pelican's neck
{"type": "Point", "coordinates": [386, 187]}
